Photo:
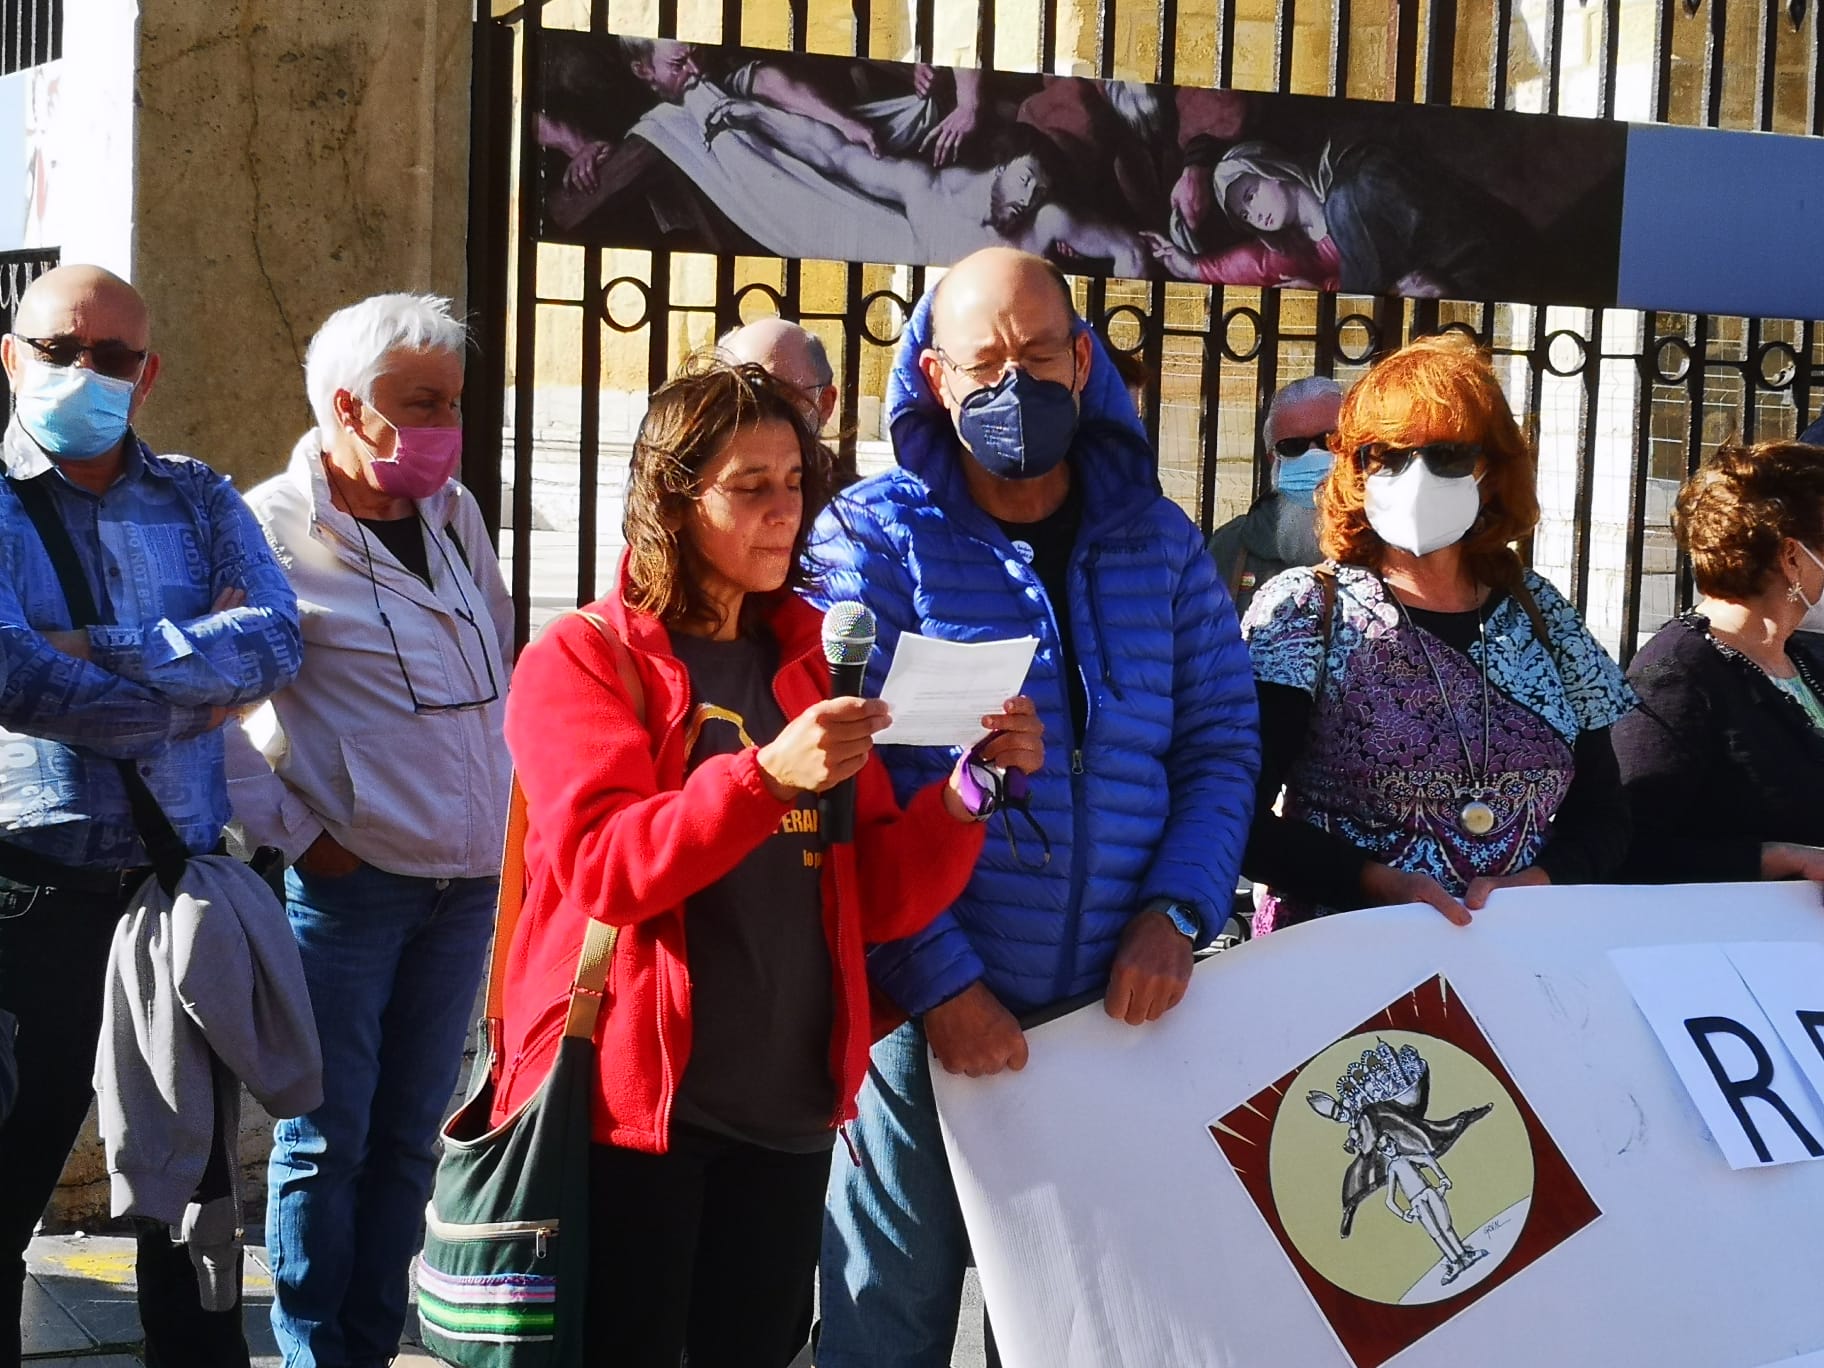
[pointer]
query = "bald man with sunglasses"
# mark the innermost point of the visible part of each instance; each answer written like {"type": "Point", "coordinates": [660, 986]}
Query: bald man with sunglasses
{"type": "Point", "coordinates": [192, 619]}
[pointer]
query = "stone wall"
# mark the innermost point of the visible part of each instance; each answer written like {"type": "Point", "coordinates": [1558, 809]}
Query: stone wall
{"type": "Point", "coordinates": [81, 1200]}
{"type": "Point", "coordinates": [292, 156]}
{"type": "Point", "coordinates": [289, 157]}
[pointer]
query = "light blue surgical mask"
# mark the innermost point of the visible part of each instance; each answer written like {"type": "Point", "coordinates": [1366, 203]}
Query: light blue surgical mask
{"type": "Point", "coordinates": [74, 413]}
{"type": "Point", "coordinates": [1299, 476]}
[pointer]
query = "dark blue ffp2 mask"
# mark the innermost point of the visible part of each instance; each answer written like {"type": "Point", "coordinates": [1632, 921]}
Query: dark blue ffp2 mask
{"type": "Point", "coordinates": [1020, 428]}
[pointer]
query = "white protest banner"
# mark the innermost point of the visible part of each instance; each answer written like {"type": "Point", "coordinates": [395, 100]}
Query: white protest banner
{"type": "Point", "coordinates": [1788, 982]}
{"type": "Point", "coordinates": [1174, 1195]}
{"type": "Point", "coordinates": [1728, 1054]}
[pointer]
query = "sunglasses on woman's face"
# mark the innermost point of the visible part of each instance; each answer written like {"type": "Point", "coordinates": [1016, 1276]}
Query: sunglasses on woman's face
{"type": "Point", "coordinates": [1290, 448]}
{"type": "Point", "coordinates": [1446, 460]}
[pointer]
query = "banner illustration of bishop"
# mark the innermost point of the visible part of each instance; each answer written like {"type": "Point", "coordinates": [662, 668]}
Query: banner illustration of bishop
{"type": "Point", "coordinates": [1403, 1173]}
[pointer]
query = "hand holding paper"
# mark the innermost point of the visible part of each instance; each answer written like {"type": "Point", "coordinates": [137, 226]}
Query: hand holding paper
{"type": "Point", "coordinates": [939, 691]}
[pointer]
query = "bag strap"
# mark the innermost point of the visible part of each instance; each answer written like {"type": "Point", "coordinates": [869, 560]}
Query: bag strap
{"type": "Point", "coordinates": [1238, 572]}
{"type": "Point", "coordinates": [591, 978]}
{"type": "Point", "coordinates": [1326, 619]}
{"type": "Point", "coordinates": [163, 847]}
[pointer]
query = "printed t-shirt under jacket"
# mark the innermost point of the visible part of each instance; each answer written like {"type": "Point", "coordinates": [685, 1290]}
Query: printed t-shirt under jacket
{"type": "Point", "coordinates": [760, 975]}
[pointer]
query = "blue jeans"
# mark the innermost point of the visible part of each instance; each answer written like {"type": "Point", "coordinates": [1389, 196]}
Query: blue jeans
{"type": "Point", "coordinates": [393, 963]}
{"type": "Point", "coordinates": [894, 1245]}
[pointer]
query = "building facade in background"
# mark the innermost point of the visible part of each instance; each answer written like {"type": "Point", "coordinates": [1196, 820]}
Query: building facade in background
{"type": "Point", "coordinates": [1621, 401]}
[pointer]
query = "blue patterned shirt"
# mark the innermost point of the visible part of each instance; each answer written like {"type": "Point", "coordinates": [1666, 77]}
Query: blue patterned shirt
{"type": "Point", "coordinates": [157, 547]}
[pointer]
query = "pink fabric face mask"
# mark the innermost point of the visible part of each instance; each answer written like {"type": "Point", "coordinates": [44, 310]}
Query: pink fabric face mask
{"type": "Point", "coordinates": [423, 460]}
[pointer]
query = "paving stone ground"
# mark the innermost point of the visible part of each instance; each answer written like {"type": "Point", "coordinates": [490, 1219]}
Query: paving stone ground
{"type": "Point", "coordinates": [80, 1312]}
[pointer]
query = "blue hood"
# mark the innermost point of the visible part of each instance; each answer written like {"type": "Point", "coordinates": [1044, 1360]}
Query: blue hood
{"type": "Point", "coordinates": [1111, 454]}
{"type": "Point", "coordinates": [1152, 797]}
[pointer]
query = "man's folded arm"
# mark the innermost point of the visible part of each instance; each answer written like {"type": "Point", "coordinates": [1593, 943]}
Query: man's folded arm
{"type": "Point", "coordinates": [45, 693]}
{"type": "Point", "coordinates": [226, 658]}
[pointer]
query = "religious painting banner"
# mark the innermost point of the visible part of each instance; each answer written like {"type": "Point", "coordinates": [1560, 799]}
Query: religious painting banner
{"type": "Point", "coordinates": [1378, 1138]}
{"type": "Point", "coordinates": [1722, 221]}
{"type": "Point", "coordinates": [660, 143]}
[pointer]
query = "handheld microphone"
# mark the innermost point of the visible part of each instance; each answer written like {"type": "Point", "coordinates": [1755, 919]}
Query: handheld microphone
{"type": "Point", "coordinates": [848, 640]}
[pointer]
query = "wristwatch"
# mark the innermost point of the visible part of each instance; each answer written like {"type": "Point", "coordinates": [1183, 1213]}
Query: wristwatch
{"type": "Point", "coordinates": [1181, 915]}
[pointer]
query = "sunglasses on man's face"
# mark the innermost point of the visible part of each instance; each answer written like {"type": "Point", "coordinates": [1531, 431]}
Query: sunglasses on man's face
{"type": "Point", "coordinates": [1289, 448]}
{"type": "Point", "coordinates": [1446, 460]}
{"type": "Point", "coordinates": [112, 358]}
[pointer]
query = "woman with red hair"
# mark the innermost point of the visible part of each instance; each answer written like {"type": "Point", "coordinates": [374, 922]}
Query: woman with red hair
{"type": "Point", "coordinates": [1437, 715]}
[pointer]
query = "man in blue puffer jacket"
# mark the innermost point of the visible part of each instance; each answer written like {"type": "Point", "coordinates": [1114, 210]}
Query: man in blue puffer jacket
{"type": "Point", "coordinates": [1027, 502]}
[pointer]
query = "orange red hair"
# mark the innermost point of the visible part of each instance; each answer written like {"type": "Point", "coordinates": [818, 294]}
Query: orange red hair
{"type": "Point", "coordinates": [1435, 389]}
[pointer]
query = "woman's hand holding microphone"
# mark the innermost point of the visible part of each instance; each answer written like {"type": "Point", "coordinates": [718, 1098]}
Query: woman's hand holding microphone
{"type": "Point", "coordinates": [825, 744]}
{"type": "Point", "coordinates": [829, 742]}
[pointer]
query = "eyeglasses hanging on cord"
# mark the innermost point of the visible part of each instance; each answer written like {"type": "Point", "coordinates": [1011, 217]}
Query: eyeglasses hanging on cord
{"type": "Point", "coordinates": [466, 613]}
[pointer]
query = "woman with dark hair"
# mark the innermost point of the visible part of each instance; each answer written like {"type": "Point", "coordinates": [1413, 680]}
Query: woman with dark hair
{"type": "Point", "coordinates": [1723, 761]}
{"type": "Point", "coordinates": [1437, 715]}
{"type": "Point", "coordinates": [736, 1028]}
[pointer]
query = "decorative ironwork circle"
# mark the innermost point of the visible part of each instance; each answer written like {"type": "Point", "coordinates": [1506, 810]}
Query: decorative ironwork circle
{"type": "Point", "coordinates": [605, 306]}
{"type": "Point", "coordinates": [1371, 338]}
{"type": "Point", "coordinates": [1125, 313]}
{"type": "Point", "coordinates": [1573, 342]}
{"type": "Point", "coordinates": [866, 321]}
{"type": "Point", "coordinates": [1661, 372]}
{"type": "Point", "coordinates": [1251, 317]}
{"type": "Point", "coordinates": [773, 295]}
{"type": "Point", "coordinates": [1787, 371]}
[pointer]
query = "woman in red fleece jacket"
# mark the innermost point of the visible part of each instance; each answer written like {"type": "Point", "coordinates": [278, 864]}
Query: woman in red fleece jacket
{"type": "Point", "coordinates": [735, 1032]}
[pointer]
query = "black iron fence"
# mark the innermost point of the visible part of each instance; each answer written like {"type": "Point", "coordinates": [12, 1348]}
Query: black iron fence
{"type": "Point", "coordinates": [17, 270]}
{"type": "Point", "coordinates": [31, 33]}
{"type": "Point", "coordinates": [1622, 403]}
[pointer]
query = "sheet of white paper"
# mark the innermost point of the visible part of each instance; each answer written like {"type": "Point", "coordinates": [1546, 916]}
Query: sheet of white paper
{"type": "Point", "coordinates": [939, 691]}
{"type": "Point", "coordinates": [1787, 979]}
{"type": "Point", "coordinates": [1693, 992]}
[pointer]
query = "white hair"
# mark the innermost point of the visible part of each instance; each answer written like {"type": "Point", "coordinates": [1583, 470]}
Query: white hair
{"type": "Point", "coordinates": [1311, 387]}
{"type": "Point", "coordinates": [350, 350]}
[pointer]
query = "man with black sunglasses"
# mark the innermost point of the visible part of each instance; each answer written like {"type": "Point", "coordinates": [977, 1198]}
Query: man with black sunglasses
{"type": "Point", "coordinates": [1280, 530]}
{"type": "Point", "coordinates": [192, 618]}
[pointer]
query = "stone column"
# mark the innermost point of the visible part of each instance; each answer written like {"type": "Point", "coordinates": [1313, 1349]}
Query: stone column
{"type": "Point", "coordinates": [291, 156]}
{"type": "Point", "coordinates": [286, 157]}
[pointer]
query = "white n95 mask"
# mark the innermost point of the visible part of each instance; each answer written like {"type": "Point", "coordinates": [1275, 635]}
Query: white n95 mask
{"type": "Point", "coordinates": [1418, 511]}
{"type": "Point", "coordinates": [1813, 620]}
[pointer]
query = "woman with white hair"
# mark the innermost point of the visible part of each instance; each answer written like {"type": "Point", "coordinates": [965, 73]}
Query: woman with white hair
{"type": "Point", "coordinates": [385, 782]}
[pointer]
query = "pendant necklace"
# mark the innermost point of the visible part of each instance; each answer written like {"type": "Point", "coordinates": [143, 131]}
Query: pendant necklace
{"type": "Point", "coordinates": [1474, 814]}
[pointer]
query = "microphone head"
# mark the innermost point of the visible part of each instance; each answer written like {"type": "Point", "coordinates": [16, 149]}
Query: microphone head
{"type": "Point", "coordinates": [848, 634]}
